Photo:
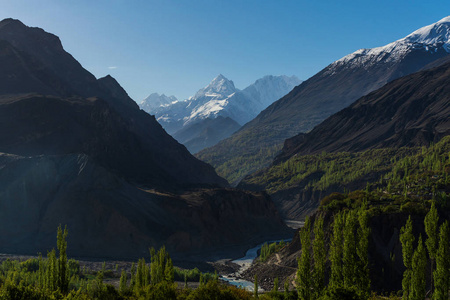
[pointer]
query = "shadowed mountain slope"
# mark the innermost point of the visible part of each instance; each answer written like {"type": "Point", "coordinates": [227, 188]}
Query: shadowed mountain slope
{"type": "Point", "coordinates": [411, 111]}
{"type": "Point", "coordinates": [35, 62]}
{"type": "Point", "coordinates": [78, 151]}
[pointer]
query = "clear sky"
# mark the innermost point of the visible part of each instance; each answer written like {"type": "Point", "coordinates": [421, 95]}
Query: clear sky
{"type": "Point", "coordinates": [177, 47]}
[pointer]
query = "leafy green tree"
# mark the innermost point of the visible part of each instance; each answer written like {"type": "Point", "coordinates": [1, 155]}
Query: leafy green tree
{"type": "Point", "coordinates": [141, 274]}
{"type": "Point", "coordinates": [419, 263]}
{"type": "Point", "coordinates": [51, 277]}
{"type": "Point", "coordinates": [442, 272]}
{"type": "Point", "coordinates": [304, 263]}
{"type": "Point", "coordinates": [407, 240]}
{"type": "Point", "coordinates": [63, 280]}
{"type": "Point", "coordinates": [123, 282]}
{"type": "Point", "coordinates": [276, 286]}
{"type": "Point", "coordinates": [41, 280]}
{"type": "Point", "coordinates": [168, 271]}
{"type": "Point", "coordinates": [133, 275]}
{"type": "Point", "coordinates": [320, 257]}
{"type": "Point", "coordinates": [431, 228]}
{"type": "Point", "coordinates": [286, 288]}
{"type": "Point", "coordinates": [363, 278]}
{"type": "Point", "coordinates": [336, 250]}
{"type": "Point", "coordinates": [100, 276]}
{"type": "Point", "coordinates": [350, 266]}
{"type": "Point", "coordinates": [161, 267]}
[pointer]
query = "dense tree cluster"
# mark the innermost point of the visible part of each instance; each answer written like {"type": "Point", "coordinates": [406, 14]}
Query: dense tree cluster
{"type": "Point", "coordinates": [347, 260]}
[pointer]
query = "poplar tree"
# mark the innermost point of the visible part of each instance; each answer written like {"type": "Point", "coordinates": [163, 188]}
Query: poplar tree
{"type": "Point", "coordinates": [363, 278]}
{"type": "Point", "coordinates": [431, 228]}
{"type": "Point", "coordinates": [255, 288]}
{"type": "Point", "coordinates": [336, 279]}
{"type": "Point", "coordinates": [320, 256]}
{"type": "Point", "coordinates": [286, 288]}
{"type": "Point", "coordinates": [62, 276]}
{"type": "Point", "coordinates": [141, 274]}
{"type": "Point", "coordinates": [419, 263]}
{"type": "Point", "coordinates": [41, 279]}
{"type": "Point", "coordinates": [442, 272]}
{"type": "Point", "coordinates": [161, 267]}
{"type": "Point", "coordinates": [304, 263]}
{"type": "Point", "coordinates": [123, 282]}
{"type": "Point", "coordinates": [133, 275]}
{"type": "Point", "coordinates": [275, 285]}
{"type": "Point", "coordinates": [350, 266]}
{"type": "Point", "coordinates": [407, 240]}
{"type": "Point", "coordinates": [168, 271]}
{"type": "Point", "coordinates": [51, 277]}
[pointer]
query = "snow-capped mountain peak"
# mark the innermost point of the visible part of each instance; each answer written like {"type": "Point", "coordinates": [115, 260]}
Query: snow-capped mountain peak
{"type": "Point", "coordinates": [221, 98]}
{"type": "Point", "coordinates": [219, 87]}
{"type": "Point", "coordinates": [434, 34]}
{"type": "Point", "coordinates": [155, 100]}
{"type": "Point", "coordinates": [430, 38]}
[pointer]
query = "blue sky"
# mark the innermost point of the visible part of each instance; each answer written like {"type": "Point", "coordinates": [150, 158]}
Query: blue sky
{"type": "Point", "coordinates": [177, 47]}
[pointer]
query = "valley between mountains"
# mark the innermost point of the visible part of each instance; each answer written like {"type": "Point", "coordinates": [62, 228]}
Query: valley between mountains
{"type": "Point", "coordinates": [357, 157]}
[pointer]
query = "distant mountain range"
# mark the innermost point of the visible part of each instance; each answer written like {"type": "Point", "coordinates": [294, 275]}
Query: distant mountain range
{"type": "Point", "coordinates": [219, 98]}
{"type": "Point", "coordinates": [327, 92]}
{"type": "Point", "coordinates": [77, 150]}
{"type": "Point", "coordinates": [155, 101]}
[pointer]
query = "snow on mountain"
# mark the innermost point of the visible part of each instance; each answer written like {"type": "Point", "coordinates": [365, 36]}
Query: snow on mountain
{"type": "Point", "coordinates": [219, 88]}
{"type": "Point", "coordinates": [154, 101]}
{"type": "Point", "coordinates": [268, 88]}
{"type": "Point", "coordinates": [431, 38]}
{"type": "Point", "coordinates": [221, 98]}
{"type": "Point", "coordinates": [434, 34]}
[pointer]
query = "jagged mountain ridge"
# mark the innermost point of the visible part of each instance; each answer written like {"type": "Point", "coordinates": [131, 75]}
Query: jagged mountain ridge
{"type": "Point", "coordinates": [155, 100]}
{"type": "Point", "coordinates": [221, 98]}
{"type": "Point", "coordinates": [332, 89]}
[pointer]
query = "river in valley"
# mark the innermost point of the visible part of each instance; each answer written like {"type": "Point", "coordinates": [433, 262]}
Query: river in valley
{"type": "Point", "coordinates": [245, 263]}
